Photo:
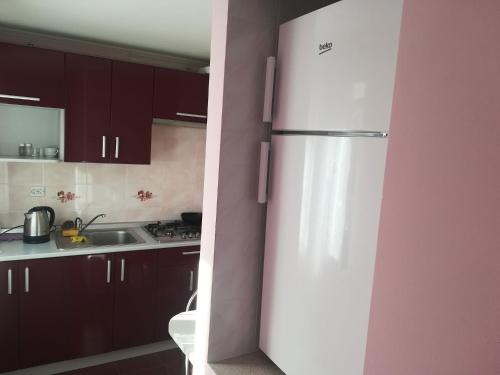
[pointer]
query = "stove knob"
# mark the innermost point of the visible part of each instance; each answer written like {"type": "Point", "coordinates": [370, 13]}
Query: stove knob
{"type": "Point", "coordinates": [183, 236]}
{"type": "Point", "coordinates": [197, 235]}
{"type": "Point", "coordinates": [190, 235]}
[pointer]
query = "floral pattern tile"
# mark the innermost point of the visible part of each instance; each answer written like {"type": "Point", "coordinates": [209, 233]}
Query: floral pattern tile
{"type": "Point", "coordinates": [144, 195]}
{"type": "Point", "coordinates": [65, 197]}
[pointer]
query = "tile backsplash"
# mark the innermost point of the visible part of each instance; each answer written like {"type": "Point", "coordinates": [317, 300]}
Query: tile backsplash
{"type": "Point", "coordinates": [172, 184]}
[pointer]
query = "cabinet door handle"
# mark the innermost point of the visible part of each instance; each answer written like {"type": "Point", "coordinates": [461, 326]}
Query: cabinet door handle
{"type": "Point", "coordinates": [191, 280]}
{"type": "Point", "coordinates": [117, 147]}
{"type": "Point", "coordinates": [26, 280]}
{"type": "Point", "coordinates": [190, 252]}
{"type": "Point", "coordinates": [103, 148]}
{"type": "Point", "coordinates": [9, 281]}
{"type": "Point", "coordinates": [17, 97]}
{"type": "Point", "coordinates": [108, 272]}
{"type": "Point", "coordinates": [183, 114]}
{"type": "Point", "coordinates": [122, 272]}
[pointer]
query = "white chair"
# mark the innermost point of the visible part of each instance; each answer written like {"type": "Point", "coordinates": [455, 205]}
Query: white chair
{"type": "Point", "coordinates": [182, 329]}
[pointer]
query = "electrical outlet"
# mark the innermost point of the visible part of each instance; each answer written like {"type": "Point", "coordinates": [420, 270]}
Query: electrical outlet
{"type": "Point", "coordinates": [38, 191]}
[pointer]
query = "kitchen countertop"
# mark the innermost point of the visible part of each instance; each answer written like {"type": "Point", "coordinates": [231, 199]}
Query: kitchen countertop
{"type": "Point", "coordinates": [18, 250]}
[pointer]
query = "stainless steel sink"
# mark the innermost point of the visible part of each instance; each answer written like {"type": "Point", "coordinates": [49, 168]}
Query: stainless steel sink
{"type": "Point", "coordinates": [109, 238]}
{"type": "Point", "coordinates": [100, 237]}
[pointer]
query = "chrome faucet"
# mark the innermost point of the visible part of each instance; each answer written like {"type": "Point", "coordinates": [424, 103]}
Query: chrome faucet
{"type": "Point", "coordinates": [79, 221]}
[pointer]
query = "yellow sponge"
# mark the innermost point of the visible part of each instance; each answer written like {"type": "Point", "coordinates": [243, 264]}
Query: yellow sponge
{"type": "Point", "coordinates": [73, 232]}
{"type": "Point", "coordinates": [78, 239]}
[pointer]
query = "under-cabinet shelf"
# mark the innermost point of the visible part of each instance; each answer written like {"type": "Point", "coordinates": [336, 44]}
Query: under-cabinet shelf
{"type": "Point", "coordinates": [28, 159]}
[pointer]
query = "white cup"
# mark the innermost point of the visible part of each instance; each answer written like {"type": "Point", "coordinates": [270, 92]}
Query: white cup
{"type": "Point", "coordinates": [50, 152]}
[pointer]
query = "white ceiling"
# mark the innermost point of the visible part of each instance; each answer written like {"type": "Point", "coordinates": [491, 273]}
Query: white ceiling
{"type": "Point", "coordinates": [176, 27]}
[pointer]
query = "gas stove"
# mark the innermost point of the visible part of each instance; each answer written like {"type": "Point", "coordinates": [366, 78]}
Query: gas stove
{"type": "Point", "coordinates": [173, 231]}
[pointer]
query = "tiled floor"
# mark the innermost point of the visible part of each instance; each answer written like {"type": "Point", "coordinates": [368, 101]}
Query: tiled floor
{"type": "Point", "coordinates": [170, 362]}
{"type": "Point", "coordinates": [251, 364]}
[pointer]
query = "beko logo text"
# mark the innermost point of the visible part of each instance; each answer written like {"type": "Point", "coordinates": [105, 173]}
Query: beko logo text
{"type": "Point", "coordinates": [325, 47]}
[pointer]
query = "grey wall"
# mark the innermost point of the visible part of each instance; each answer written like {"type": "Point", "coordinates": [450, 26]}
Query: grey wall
{"type": "Point", "coordinates": [234, 223]}
{"type": "Point", "coordinates": [290, 9]}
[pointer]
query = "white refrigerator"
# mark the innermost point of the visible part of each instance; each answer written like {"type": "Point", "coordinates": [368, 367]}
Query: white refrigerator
{"type": "Point", "coordinates": [334, 89]}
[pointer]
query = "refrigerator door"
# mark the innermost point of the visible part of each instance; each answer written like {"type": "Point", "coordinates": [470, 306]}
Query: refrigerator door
{"type": "Point", "coordinates": [336, 67]}
{"type": "Point", "coordinates": [322, 223]}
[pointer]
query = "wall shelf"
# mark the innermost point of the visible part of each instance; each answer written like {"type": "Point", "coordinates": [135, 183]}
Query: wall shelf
{"type": "Point", "coordinates": [42, 127]}
{"type": "Point", "coordinates": [28, 159]}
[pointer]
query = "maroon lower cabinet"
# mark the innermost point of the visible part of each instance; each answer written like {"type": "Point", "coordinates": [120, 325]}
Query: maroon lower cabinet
{"type": "Point", "coordinates": [177, 281]}
{"type": "Point", "coordinates": [131, 113]}
{"type": "Point", "coordinates": [135, 289]}
{"type": "Point", "coordinates": [88, 109]}
{"type": "Point", "coordinates": [9, 292]}
{"type": "Point", "coordinates": [43, 309]}
{"type": "Point", "coordinates": [61, 308]}
{"type": "Point", "coordinates": [90, 289]}
{"type": "Point", "coordinates": [31, 76]}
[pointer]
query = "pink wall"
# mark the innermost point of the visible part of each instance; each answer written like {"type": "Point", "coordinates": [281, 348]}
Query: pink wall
{"type": "Point", "coordinates": [436, 298]}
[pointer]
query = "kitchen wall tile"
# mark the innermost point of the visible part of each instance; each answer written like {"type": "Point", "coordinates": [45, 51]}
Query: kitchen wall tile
{"type": "Point", "coordinates": [175, 177]}
{"type": "Point", "coordinates": [151, 214]}
{"type": "Point", "coordinates": [68, 209]}
{"type": "Point", "coordinates": [117, 215]}
{"type": "Point", "coordinates": [3, 172]}
{"type": "Point", "coordinates": [146, 176]}
{"type": "Point", "coordinates": [158, 198]}
{"type": "Point", "coordinates": [105, 197]}
{"type": "Point", "coordinates": [25, 173]}
{"type": "Point", "coordinates": [19, 198]}
{"type": "Point", "coordinates": [11, 219]}
{"type": "Point", "coordinates": [106, 174]}
{"type": "Point", "coordinates": [65, 174]}
{"type": "Point", "coordinates": [176, 143]}
{"type": "Point", "coordinates": [4, 198]}
{"type": "Point", "coordinates": [66, 214]}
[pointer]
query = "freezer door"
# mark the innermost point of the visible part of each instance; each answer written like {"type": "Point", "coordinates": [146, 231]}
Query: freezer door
{"type": "Point", "coordinates": [336, 67]}
{"type": "Point", "coordinates": [322, 223]}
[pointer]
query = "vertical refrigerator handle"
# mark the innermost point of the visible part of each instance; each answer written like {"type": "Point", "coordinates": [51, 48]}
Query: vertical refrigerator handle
{"type": "Point", "coordinates": [263, 172]}
{"type": "Point", "coordinates": [267, 115]}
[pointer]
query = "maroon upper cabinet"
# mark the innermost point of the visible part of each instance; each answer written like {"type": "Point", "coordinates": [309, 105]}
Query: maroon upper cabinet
{"type": "Point", "coordinates": [88, 109]}
{"type": "Point", "coordinates": [90, 289]}
{"type": "Point", "coordinates": [135, 304]}
{"type": "Point", "coordinates": [43, 328]}
{"type": "Point", "coordinates": [34, 75]}
{"type": "Point", "coordinates": [180, 95]}
{"type": "Point", "coordinates": [9, 292]}
{"type": "Point", "coordinates": [131, 113]}
{"type": "Point", "coordinates": [177, 281]}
